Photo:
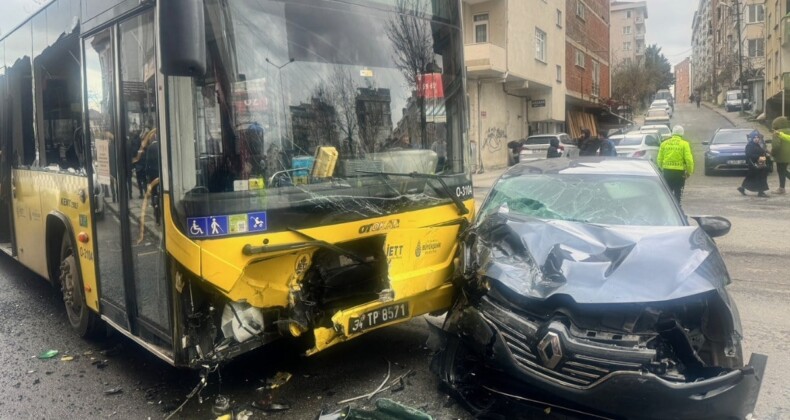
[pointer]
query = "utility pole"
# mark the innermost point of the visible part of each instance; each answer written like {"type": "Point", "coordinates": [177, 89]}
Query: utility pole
{"type": "Point", "coordinates": [740, 51]}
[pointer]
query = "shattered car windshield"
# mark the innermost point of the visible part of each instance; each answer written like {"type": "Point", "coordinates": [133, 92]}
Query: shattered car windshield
{"type": "Point", "coordinates": [598, 199]}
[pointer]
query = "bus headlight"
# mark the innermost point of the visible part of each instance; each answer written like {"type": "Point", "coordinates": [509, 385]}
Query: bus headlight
{"type": "Point", "coordinates": [241, 321]}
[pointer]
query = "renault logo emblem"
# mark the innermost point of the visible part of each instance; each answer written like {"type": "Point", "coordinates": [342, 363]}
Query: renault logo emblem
{"type": "Point", "coordinates": [550, 350]}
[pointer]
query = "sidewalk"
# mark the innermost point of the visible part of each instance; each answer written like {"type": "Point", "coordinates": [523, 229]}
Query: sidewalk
{"type": "Point", "coordinates": [738, 120]}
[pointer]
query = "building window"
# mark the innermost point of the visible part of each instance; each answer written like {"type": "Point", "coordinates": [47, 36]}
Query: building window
{"type": "Point", "coordinates": [579, 58]}
{"type": "Point", "coordinates": [559, 74]}
{"type": "Point", "coordinates": [776, 63]}
{"type": "Point", "coordinates": [559, 18]}
{"type": "Point", "coordinates": [596, 78]}
{"type": "Point", "coordinates": [540, 45]}
{"type": "Point", "coordinates": [481, 28]}
{"type": "Point", "coordinates": [626, 30]}
{"type": "Point", "coordinates": [626, 46]}
{"type": "Point", "coordinates": [756, 47]}
{"type": "Point", "coordinates": [580, 9]}
{"type": "Point", "coordinates": [718, 36]}
{"type": "Point", "coordinates": [756, 13]}
{"type": "Point", "coordinates": [627, 60]}
{"type": "Point", "coordinates": [628, 14]}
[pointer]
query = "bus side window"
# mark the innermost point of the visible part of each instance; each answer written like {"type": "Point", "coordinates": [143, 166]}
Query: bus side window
{"type": "Point", "coordinates": [58, 93]}
{"type": "Point", "coordinates": [20, 96]}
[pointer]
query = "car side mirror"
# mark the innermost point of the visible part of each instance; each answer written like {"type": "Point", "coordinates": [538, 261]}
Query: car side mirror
{"type": "Point", "coordinates": [714, 226]}
{"type": "Point", "coordinates": [705, 143]}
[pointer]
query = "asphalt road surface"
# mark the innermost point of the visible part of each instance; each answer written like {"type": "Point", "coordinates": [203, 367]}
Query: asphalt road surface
{"type": "Point", "coordinates": [32, 320]}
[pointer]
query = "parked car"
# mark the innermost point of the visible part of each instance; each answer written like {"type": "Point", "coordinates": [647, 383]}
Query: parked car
{"type": "Point", "coordinates": [733, 101]}
{"type": "Point", "coordinates": [662, 104]}
{"type": "Point", "coordinates": [636, 144]}
{"type": "Point", "coordinates": [660, 128]}
{"type": "Point", "coordinates": [726, 151]}
{"type": "Point", "coordinates": [535, 147]}
{"type": "Point", "coordinates": [666, 95]}
{"type": "Point", "coordinates": [657, 116]}
{"type": "Point", "coordinates": [585, 289]}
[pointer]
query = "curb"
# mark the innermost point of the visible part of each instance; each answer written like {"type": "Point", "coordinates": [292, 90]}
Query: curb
{"type": "Point", "coordinates": [714, 109]}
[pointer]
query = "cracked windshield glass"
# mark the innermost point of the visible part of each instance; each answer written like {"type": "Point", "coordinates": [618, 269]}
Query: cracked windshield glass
{"type": "Point", "coordinates": [323, 111]}
{"type": "Point", "coordinates": [599, 199]}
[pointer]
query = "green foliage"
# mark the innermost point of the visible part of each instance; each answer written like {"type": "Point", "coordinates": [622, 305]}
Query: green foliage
{"type": "Point", "coordinates": [634, 83]}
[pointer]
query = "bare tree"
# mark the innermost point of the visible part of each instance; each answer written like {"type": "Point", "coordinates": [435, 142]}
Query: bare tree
{"type": "Point", "coordinates": [412, 38]}
{"type": "Point", "coordinates": [343, 90]}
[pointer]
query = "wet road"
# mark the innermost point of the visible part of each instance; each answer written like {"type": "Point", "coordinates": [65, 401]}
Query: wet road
{"type": "Point", "coordinates": [756, 252]}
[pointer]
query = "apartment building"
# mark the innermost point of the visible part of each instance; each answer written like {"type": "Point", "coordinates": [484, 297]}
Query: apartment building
{"type": "Point", "coordinates": [753, 49]}
{"type": "Point", "coordinates": [703, 69]}
{"type": "Point", "coordinates": [776, 63]}
{"type": "Point", "coordinates": [628, 31]}
{"type": "Point", "coordinates": [683, 86]}
{"type": "Point", "coordinates": [515, 54]}
{"type": "Point", "coordinates": [587, 66]}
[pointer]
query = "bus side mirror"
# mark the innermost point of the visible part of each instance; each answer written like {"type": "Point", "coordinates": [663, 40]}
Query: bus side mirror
{"type": "Point", "coordinates": [183, 38]}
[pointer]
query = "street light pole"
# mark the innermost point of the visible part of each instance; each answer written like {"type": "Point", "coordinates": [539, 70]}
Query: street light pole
{"type": "Point", "coordinates": [740, 51]}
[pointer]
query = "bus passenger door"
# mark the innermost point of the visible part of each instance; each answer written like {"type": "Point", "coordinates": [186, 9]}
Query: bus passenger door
{"type": "Point", "coordinates": [121, 62]}
{"type": "Point", "coordinates": [6, 230]}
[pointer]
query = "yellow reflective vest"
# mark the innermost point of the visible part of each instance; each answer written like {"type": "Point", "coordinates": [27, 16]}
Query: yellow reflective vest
{"type": "Point", "coordinates": [675, 153]}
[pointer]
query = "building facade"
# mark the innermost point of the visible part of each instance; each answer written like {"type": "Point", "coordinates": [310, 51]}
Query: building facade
{"type": "Point", "coordinates": [729, 41]}
{"type": "Point", "coordinates": [587, 65]}
{"type": "Point", "coordinates": [683, 86]}
{"type": "Point", "coordinates": [776, 63]}
{"type": "Point", "coordinates": [628, 31]}
{"type": "Point", "coordinates": [515, 54]}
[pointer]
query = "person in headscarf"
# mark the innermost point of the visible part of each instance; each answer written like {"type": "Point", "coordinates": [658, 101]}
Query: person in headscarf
{"type": "Point", "coordinates": [757, 168]}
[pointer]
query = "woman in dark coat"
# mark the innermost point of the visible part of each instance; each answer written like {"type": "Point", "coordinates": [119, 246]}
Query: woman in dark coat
{"type": "Point", "coordinates": [757, 172]}
{"type": "Point", "coordinates": [555, 150]}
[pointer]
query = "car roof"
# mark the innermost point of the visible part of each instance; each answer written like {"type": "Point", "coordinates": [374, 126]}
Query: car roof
{"type": "Point", "coordinates": [546, 135]}
{"type": "Point", "coordinates": [653, 127]}
{"type": "Point", "coordinates": [734, 130]}
{"type": "Point", "coordinates": [585, 166]}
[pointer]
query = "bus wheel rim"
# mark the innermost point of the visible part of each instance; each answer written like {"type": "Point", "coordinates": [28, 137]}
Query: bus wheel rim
{"type": "Point", "coordinates": [69, 285]}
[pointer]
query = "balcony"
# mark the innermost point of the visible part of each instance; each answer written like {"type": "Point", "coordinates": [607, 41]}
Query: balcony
{"type": "Point", "coordinates": [484, 60]}
{"type": "Point", "coordinates": [639, 20]}
{"type": "Point", "coordinates": [639, 36]}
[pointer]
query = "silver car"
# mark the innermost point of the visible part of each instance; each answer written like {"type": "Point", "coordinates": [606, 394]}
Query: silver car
{"type": "Point", "coordinates": [638, 145]}
{"type": "Point", "coordinates": [536, 147]}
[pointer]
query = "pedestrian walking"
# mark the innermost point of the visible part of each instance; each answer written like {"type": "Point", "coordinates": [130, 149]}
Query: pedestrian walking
{"type": "Point", "coordinates": [757, 166]}
{"type": "Point", "coordinates": [555, 149]}
{"type": "Point", "coordinates": [588, 145]}
{"type": "Point", "coordinates": [608, 148]}
{"type": "Point", "coordinates": [780, 150]}
{"type": "Point", "coordinates": [697, 98]}
{"type": "Point", "coordinates": [676, 161]}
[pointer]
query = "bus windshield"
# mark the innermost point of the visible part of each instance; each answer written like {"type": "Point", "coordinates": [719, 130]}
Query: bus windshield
{"type": "Point", "coordinates": [311, 110]}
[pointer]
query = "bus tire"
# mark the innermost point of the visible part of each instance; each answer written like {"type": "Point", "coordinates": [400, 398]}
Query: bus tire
{"type": "Point", "coordinates": [82, 319]}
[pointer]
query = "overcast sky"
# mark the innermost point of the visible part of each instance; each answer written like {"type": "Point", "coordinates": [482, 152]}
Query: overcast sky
{"type": "Point", "coordinates": [668, 23]}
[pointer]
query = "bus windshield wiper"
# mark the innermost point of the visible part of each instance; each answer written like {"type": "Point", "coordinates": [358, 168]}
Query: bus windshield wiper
{"type": "Point", "coordinates": [457, 201]}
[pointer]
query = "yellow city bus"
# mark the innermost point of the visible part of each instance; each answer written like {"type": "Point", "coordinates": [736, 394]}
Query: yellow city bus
{"type": "Point", "coordinates": [207, 176]}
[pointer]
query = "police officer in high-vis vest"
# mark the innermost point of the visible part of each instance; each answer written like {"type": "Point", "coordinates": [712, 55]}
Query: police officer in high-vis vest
{"type": "Point", "coordinates": [675, 161]}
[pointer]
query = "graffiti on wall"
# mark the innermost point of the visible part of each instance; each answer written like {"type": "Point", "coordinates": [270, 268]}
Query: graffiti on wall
{"type": "Point", "coordinates": [494, 139]}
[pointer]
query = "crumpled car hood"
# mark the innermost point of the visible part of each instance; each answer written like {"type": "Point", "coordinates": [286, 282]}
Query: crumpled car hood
{"type": "Point", "coordinates": [596, 264]}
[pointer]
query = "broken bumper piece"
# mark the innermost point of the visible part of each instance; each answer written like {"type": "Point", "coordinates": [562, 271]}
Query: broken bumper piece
{"type": "Point", "coordinates": [564, 375]}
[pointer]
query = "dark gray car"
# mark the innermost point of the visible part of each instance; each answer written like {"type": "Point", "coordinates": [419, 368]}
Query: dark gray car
{"type": "Point", "coordinates": [586, 292]}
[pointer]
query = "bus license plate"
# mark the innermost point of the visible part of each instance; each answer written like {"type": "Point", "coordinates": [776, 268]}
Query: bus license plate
{"type": "Point", "coordinates": [378, 316]}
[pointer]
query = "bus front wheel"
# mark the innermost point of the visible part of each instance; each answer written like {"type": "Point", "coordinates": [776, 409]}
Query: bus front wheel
{"type": "Point", "coordinates": [81, 318]}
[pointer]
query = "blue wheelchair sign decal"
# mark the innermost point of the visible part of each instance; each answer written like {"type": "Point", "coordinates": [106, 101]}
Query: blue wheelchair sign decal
{"type": "Point", "coordinates": [197, 226]}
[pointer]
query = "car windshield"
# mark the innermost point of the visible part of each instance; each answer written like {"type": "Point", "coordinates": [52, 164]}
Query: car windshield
{"type": "Point", "coordinates": [630, 141]}
{"type": "Point", "coordinates": [660, 128]}
{"type": "Point", "coordinates": [657, 104]}
{"type": "Point", "coordinates": [539, 140]}
{"type": "Point", "coordinates": [733, 97]}
{"type": "Point", "coordinates": [587, 198]}
{"type": "Point", "coordinates": [731, 137]}
{"type": "Point", "coordinates": [310, 108]}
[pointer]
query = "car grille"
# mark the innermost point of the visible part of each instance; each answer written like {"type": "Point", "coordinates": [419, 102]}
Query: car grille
{"type": "Point", "coordinates": [574, 369]}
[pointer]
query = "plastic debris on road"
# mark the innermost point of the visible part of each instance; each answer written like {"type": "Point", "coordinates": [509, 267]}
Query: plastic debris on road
{"type": "Point", "coordinates": [279, 379]}
{"type": "Point", "coordinates": [113, 391]}
{"type": "Point", "coordinates": [386, 409]}
{"type": "Point", "coordinates": [66, 358]}
{"type": "Point", "coordinates": [47, 354]}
